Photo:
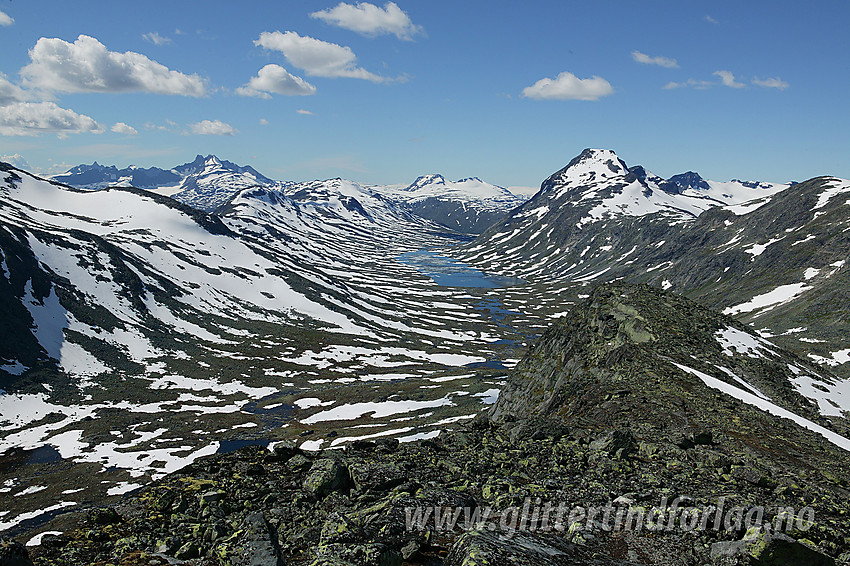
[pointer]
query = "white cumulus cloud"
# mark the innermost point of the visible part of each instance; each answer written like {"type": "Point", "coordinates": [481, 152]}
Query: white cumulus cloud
{"type": "Point", "coordinates": [368, 19]}
{"type": "Point", "coordinates": [156, 38]}
{"type": "Point", "coordinates": [34, 118]}
{"type": "Point", "coordinates": [10, 93]}
{"type": "Point", "coordinates": [775, 82]}
{"type": "Point", "coordinates": [87, 66]}
{"type": "Point", "coordinates": [658, 60]}
{"type": "Point", "coordinates": [304, 112]}
{"type": "Point", "coordinates": [316, 57]}
{"type": "Point", "coordinates": [6, 19]}
{"type": "Point", "coordinates": [729, 79]}
{"type": "Point", "coordinates": [123, 128]}
{"type": "Point", "coordinates": [275, 79]}
{"type": "Point", "coordinates": [567, 86]}
{"type": "Point", "coordinates": [212, 128]}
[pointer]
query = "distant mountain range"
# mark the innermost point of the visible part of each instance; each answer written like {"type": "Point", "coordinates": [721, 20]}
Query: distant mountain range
{"type": "Point", "coordinates": [207, 183]}
{"type": "Point", "coordinates": [468, 205]}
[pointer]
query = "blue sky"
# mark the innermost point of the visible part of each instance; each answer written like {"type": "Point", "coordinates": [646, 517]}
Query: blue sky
{"type": "Point", "coordinates": [384, 92]}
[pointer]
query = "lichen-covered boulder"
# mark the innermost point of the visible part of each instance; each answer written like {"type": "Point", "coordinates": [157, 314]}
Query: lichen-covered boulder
{"type": "Point", "coordinates": [326, 475]}
{"type": "Point", "coordinates": [480, 548]}
{"type": "Point", "coordinates": [252, 545]}
{"type": "Point", "coordinates": [762, 548]}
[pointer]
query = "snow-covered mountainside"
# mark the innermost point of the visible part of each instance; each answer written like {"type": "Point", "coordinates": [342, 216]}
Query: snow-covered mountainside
{"type": "Point", "coordinates": [205, 183]}
{"type": "Point", "coordinates": [600, 185]}
{"type": "Point", "coordinates": [119, 257]}
{"type": "Point", "coordinates": [468, 205]}
{"type": "Point", "coordinates": [597, 220]}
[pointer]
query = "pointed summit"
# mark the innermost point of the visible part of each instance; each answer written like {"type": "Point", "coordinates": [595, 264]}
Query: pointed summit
{"type": "Point", "coordinates": [684, 181]}
{"type": "Point", "coordinates": [425, 180]}
{"type": "Point", "coordinates": [591, 165]}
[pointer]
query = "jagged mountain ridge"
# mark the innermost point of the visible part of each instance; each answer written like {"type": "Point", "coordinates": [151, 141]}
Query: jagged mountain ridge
{"type": "Point", "coordinates": [204, 183]}
{"type": "Point", "coordinates": [96, 176]}
{"type": "Point", "coordinates": [207, 183]}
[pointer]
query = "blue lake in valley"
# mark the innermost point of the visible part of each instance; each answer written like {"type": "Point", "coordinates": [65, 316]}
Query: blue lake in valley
{"type": "Point", "coordinates": [449, 272]}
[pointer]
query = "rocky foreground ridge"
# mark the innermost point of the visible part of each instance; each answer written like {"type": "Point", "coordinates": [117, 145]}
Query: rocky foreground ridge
{"type": "Point", "coordinates": [613, 442]}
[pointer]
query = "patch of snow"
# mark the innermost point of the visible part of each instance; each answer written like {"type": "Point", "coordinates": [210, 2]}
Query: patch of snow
{"type": "Point", "coordinates": [49, 320]}
{"type": "Point", "coordinates": [34, 514]}
{"type": "Point", "coordinates": [420, 436]}
{"type": "Point", "coordinates": [310, 402]}
{"type": "Point", "coordinates": [344, 439]}
{"type": "Point", "coordinates": [122, 487]}
{"type": "Point", "coordinates": [767, 406]}
{"type": "Point", "coordinates": [31, 489]}
{"type": "Point", "coordinates": [377, 410]}
{"type": "Point", "coordinates": [771, 299]}
{"type": "Point", "coordinates": [834, 188]}
{"type": "Point", "coordinates": [15, 368]}
{"type": "Point", "coordinates": [312, 445]}
{"type": "Point", "coordinates": [488, 397]}
{"type": "Point", "coordinates": [742, 342]}
{"type": "Point", "coordinates": [758, 249]}
{"type": "Point", "coordinates": [835, 358]}
{"type": "Point", "coordinates": [833, 398]}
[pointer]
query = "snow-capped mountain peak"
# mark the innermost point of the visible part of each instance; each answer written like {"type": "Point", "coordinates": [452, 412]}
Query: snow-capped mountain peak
{"type": "Point", "coordinates": [469, 204]}
{"type": "Point", "coordinates": [205, 183]}
{"type": "Point", "coordinates": [591, 165]}
{"type": "Point", "coordinates": [467, 189]}
{"type": "Point", "coordinates": [426, 180]}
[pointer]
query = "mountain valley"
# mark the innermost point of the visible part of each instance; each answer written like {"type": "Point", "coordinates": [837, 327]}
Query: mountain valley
{"type": "Point", "coordinates": [162, 318]}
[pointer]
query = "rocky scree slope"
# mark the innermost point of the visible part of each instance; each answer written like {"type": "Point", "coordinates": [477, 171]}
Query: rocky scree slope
{"type": "Point", "coordinates": [612, 407]}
